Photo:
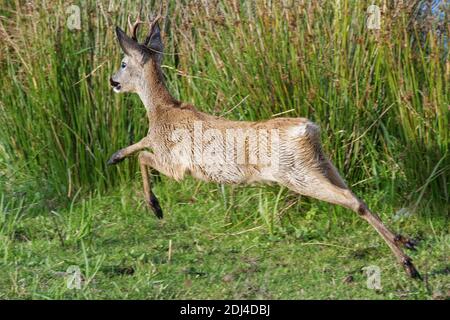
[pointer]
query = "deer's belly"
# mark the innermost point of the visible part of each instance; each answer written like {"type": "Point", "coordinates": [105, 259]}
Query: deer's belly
{"type": "Point", "coordinates": [218, 173]}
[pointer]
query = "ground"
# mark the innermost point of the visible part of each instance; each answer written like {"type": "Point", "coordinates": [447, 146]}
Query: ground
{"type": "Point", "coordinates": [215, 243]}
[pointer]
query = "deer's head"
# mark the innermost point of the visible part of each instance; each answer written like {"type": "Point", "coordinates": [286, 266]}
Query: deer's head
{"type": "Point", "coordinates": [138, 56]}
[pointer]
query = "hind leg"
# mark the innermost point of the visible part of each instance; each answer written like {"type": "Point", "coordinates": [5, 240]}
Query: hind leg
{"type": "Point", "coordinates": [324, 189]}
{"type": "Point", "coordinates": [391, 239]}
{"type": "Point", "coordinates": [333, 175]}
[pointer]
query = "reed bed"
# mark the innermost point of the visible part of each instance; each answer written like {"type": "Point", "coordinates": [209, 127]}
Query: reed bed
{"type": "Point", "coordinates": [381, 97]}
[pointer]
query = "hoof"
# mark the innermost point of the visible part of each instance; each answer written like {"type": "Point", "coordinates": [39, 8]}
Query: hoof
{"type": "Point", "coordinates": [156, 208]}
{"type": "Point", "coordinates": [410, 244]}
{"type": "Point", "coordinates": [115, 158]}
{"type": "Point", "coordinates": [411, 269]}
{"type": "Point", "coordinates": [407, 243]}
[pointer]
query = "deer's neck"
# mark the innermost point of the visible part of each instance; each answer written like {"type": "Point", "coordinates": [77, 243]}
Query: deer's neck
{"type": "Point", "coordinates": [153, 91]}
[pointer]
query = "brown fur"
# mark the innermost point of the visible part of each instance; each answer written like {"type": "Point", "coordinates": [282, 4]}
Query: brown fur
{"type": "Point", "coordinates": [303, 167]}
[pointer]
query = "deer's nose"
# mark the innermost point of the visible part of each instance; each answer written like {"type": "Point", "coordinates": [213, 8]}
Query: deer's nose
{"type": "Point", "coordinates": [113, 83]}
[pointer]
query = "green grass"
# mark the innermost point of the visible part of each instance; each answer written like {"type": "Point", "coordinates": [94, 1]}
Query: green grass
{"type": "Point", "coordinates": [381, 99]}
{"type": "Point", "coordinates": [217, 251]}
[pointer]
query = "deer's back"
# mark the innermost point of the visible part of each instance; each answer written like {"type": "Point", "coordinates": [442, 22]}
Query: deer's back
{"type": "Point", "coordinates": [216, 149]}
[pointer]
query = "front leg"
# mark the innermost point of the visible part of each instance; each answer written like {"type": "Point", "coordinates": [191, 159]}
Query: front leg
{"type": "Point", "coordinates": [128, 151]}
{"type": "Point", "coordinates": [149, 160]}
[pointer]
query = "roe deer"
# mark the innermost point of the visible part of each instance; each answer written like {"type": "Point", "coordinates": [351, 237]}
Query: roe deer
{"type": "Point", "coordinates": [295, 144]}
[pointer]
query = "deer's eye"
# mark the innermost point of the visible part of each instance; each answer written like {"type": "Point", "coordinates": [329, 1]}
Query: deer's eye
{"type": "Point", "coordinates": [123, 65]}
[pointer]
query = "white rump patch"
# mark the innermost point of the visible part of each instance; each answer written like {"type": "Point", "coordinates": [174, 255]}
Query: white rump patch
{"type": "Point", "coordinates": [303, 129]}
{"type": "Point", "coordinates": [299, 130]}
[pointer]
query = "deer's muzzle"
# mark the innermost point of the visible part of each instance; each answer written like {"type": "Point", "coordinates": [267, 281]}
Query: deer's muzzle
{"type": "Point", "coordinates": [116, 85]}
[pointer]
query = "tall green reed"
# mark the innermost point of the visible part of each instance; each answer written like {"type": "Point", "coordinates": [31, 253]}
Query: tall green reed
{"type": "Point", "coordinates": [382, 103]}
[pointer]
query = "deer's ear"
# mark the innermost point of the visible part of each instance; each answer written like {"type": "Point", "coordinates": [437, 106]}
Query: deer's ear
{"type": "Point", "coordinates": [131, 47]}
{"type": "Point", "coordinates": [154, 41]}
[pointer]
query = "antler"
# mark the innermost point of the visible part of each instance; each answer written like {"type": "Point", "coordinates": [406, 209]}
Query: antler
{"type": "Point", "coordinates": [134, 27]}
{"type": "Point", "coordinates": [152, 23]}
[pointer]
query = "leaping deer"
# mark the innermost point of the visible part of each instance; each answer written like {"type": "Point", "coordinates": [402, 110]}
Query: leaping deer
{"type": "Point", "coordinates": [301, 164]}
